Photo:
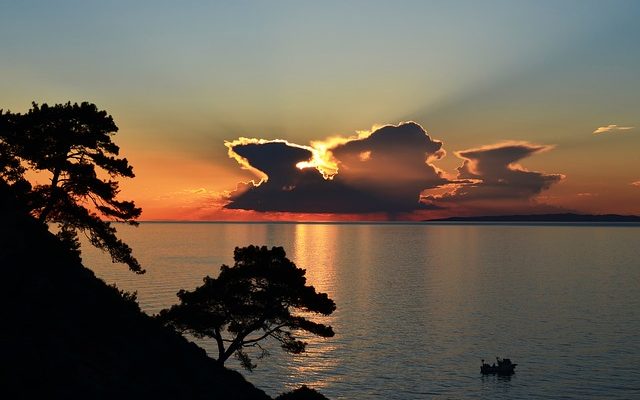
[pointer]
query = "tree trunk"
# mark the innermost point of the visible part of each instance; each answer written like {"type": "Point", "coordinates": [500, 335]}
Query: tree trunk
{"type": "Point", "coordinates": [225, 356]}
{"type": "Point", "coordinates": [235, 345]}
{"type": "Point", "coordinates": [218, 337]}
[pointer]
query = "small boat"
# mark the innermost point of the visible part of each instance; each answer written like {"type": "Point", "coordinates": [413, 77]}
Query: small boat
{"type": "Point", "coordinates": [504, 367]}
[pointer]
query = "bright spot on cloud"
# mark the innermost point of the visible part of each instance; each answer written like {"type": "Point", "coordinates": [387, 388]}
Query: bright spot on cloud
{"type": "Point", "coordinates": [323, 159]}
{"type": "Point", "coordinates": [365, 155]}
{"type": "Point", "coordinates": [611, 129]}
{"type": "Point", "coordinates": [636, 183]}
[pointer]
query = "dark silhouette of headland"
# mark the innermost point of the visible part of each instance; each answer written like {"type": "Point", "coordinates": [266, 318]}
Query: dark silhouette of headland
{"type": "Point", "coordinates": [67, 334]}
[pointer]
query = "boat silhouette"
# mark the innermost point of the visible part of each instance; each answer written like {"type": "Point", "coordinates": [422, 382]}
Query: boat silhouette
{"type": "Point", "coordinates": [504, 367]}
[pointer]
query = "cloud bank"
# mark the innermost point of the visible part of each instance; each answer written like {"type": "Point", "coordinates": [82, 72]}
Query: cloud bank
{"type": "Point", "coordinates": [390, 170]}
{"type": "Point", "coordinates": [611, 129]}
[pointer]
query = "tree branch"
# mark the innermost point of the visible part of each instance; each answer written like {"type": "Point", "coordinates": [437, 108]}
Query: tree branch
{"type": "Point", "coordinates": [267, 333]}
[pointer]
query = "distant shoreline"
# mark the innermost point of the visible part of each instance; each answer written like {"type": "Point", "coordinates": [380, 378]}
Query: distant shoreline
{"type": "Point", "coordinates": [547, 218]}
{"type": "Point", "coordinates": [515, 220]}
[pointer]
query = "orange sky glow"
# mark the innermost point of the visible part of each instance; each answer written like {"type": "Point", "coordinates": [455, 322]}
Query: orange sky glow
{"type": "Point", "coordinates": [173, 187]}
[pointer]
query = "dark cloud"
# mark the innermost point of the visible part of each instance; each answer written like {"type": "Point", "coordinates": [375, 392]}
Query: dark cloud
{"type": "Point", "coordinates": [384, 172]}
{"type": "Point", "coordinates": [490, 173]}
{"type": "Point", "coordinates": [288, 188]}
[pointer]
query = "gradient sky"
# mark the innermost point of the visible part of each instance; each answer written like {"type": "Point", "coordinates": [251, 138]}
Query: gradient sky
{"type": "Point", "coordinates": [181, 78]}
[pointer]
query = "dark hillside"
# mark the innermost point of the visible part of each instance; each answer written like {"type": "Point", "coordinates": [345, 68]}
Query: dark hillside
{"type": "Point", "coordinates": [66, 334]}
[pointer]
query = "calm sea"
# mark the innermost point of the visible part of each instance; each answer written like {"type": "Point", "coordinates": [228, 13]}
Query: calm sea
{"type": "Point", "coordinates": [420, 305]}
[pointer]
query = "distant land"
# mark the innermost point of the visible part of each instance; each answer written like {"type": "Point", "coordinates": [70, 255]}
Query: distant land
{"type": "Point", "coordinates": [568, 217]}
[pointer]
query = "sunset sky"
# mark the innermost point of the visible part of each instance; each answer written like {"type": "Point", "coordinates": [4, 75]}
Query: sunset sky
{"type": "Point", "coordinates": [356, 110]}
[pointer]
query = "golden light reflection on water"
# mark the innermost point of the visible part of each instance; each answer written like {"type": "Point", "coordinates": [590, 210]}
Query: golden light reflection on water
{"type": "Point", "coordinates": [315, 366]}
{"type": "Point", "coordinates": [315, 250]}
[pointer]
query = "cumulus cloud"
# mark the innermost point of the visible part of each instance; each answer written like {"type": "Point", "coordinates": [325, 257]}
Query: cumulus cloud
{"type": "Point", "coordinates": [389, 170]}
{"type": "Point", "coordinates": [611, 129]}
{"type": "Point", "coordinates": [384, 171]}
{"type": "Point", "coordinates": [491, 177]}
{"type": "Point", "coordinates": [394, 162]}
{"type": "Point", "coordinates": [636, 183]}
